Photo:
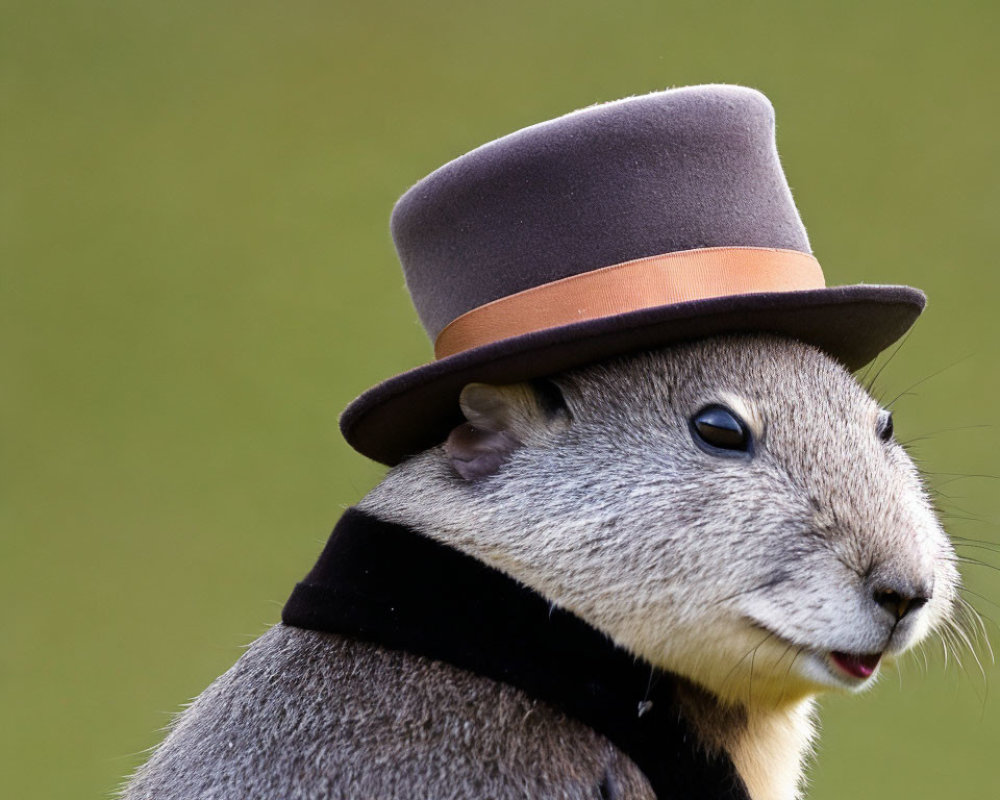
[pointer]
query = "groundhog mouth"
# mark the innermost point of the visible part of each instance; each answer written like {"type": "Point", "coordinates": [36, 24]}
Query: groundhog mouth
{"type": "Point", "coordinates": [847, 670]}
{"type": "Point", "coordinates": [860, 666]}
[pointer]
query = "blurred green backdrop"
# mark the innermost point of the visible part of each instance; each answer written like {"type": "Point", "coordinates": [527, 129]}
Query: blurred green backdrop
{"type": "Point", "coordinates": [197, 277]}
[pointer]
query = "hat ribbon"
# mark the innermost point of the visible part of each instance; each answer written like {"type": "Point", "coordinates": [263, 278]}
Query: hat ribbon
{"type": "Point", "coordinates": [648, 282]}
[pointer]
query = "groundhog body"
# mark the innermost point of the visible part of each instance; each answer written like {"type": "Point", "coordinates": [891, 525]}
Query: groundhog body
{"type": "Point", "coordinates": [748, 578]}
{"type": "Point", "coordinates": [305, 714]}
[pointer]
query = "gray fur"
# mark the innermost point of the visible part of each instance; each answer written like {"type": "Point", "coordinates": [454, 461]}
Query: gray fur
{"type": "Point", "coordinates": [740, 575]}
{"type": "Point", "coordinates": [312, 715]}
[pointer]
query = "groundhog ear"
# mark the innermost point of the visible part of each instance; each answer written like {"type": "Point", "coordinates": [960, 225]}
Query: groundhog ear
{"type": "Point", "coordinates": [500, 420]}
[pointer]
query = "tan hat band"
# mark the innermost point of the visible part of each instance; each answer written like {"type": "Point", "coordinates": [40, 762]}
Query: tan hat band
{"type": "Point", "coordinates": [631, 286]}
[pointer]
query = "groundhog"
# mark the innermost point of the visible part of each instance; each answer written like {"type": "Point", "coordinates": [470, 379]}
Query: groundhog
{"type": "Point", "coordinates": [640, 512]}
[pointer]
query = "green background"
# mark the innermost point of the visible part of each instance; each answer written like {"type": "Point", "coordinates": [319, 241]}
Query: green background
{"type": "Point", "coordinates": [197, 277]}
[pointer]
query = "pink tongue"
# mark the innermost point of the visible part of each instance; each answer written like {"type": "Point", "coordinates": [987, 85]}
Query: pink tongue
{"type": "Point", "coordinates": [860, 666]}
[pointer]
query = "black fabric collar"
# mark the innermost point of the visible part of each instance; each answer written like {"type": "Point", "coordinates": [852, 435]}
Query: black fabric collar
{"type": "Point", "coordinates": [387, 584]}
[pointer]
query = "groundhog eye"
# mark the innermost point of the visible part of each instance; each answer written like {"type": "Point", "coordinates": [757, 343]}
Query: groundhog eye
{"type": "Point", "coordinates": [884, 426]}
{"type": "Point", "coordinates": [716, 428]}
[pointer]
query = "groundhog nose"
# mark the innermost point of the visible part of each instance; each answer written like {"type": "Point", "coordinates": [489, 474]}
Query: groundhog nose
{"type": "Point", "coordinates": [900, 600]}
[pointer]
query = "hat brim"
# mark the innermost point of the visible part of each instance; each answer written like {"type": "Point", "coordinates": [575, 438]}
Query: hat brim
{"type": "Point", "coordinates": [417, 409]}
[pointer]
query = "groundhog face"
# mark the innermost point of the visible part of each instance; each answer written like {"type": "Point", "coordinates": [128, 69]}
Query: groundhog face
{"type": "Point", "coordinates": [734, 510]}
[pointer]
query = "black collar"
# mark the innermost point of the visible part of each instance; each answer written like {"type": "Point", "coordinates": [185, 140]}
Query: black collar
{"type": "Point", "coordinates": [387, 584]}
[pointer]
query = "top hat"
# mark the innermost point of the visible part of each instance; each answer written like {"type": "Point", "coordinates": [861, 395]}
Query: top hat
{"type": "Point", "coordinates": [620, 227]}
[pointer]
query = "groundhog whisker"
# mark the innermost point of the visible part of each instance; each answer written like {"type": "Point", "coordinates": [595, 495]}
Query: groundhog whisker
{"type": "Point", "coordinates": [753, 657]}
{"type": "Point", "coordinates": [869, 385]}
{"type": "Point", "coordinates": [923, 380]}
{"type": "Point", "coordinates": [975, 623]}
{"type": "Point", "coordinates": [797, 651]}
{"type": "Point", "coordinates": [749, 653]}
{"type": "Point", "coordinates": [952, 515]}
{"type": "Point", "coordinates": [978, 596]}
{"type": "Point", "coordinates": [939, 493]}
{"type": "Point", "coordinates": [975, 615]}
{"type": "Point", "coordinates": [958, 476]}
{"type": "Point", "coordinates": [953, 646]}
{"type": "Point", "coordinates": [896, 667]}
{"type": "Point", "coordinates": [975, 562]}
{"type": "Point", "coordinates": [985, 544]}
{"type": "Point", "coordinates": [922, 649]}
{"type": "Point", "coordinates": [944, 648]}
{"type": "Point", "coordinates": [967, 641]}
{"type": "Point", "coordinates": [931, 434]}
{"type": "Point", "coordinates": [960, 640]}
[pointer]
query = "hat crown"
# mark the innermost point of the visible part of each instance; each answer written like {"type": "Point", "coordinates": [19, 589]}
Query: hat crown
{"type": "Point", "coordinates": [676, 170]}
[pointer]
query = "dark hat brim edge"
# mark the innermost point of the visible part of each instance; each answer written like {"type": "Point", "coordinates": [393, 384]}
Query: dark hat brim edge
{"type": "Point", "coordinates": [415, 410]}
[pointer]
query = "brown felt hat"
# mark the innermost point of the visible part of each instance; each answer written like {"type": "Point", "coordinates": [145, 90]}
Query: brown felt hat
{"type": "Point", "coordinates": [621, 227]}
